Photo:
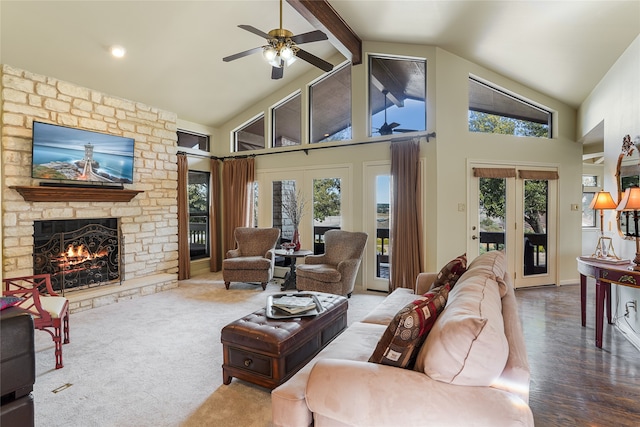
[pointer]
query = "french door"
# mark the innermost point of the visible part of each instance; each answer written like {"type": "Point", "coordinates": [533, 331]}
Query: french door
{"type": "Point", "coordinates": [325, 193]}
{"type": "Point", "coordinates": [376, 214]}
{"type": "Point", "coordinates": [514, 208]}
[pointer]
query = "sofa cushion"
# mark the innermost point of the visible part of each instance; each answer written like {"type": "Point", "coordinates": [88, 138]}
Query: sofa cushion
{"type": "Point", "coordinates": [451, 272]}
{"type": "Point", "coordinates": [407, 331]}
{"type": "Point", "coordinates": [467, 345]}
{"type": "Point", "coordinates": [387, 309]}
{"type": "Point", "coordinates": [491, 264]}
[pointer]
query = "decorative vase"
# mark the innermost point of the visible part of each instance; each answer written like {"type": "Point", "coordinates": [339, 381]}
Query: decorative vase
{"type": "Point", "coordinates": [296, 239]}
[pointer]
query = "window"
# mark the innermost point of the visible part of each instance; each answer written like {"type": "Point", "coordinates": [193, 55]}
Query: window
{"type": "Point", "coordinates": [330, 105]}
{"type": "Point", "coordinates": [397, 92]}
{"type": "Point", "coordinates": [193, 140]}
{"type": "Point", "coordinates": [198, 191]}
{"type": "Point", "coordinates": [250, 136]}
{"type": "Point", "coordinates": [287, 122]}
{"type": "Point", "coordinates": [589, 189]}
{"type": "Point", "coordinates": [492, 110]}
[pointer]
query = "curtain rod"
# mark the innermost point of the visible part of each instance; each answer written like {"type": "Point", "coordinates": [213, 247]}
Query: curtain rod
{"type": "Point", "coordinates": [306, 150]}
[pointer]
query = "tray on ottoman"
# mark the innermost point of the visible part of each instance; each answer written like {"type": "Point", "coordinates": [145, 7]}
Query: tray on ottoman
{"type": "Point", "coordinates": [268, 351]}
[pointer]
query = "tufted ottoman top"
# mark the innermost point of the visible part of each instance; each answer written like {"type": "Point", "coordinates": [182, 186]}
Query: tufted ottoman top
{"type": "Point", "coordinates": [279, 336]}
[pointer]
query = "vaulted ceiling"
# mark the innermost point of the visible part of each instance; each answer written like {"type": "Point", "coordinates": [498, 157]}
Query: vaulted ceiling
{"type": "Point", "coordinates": [175, 48]}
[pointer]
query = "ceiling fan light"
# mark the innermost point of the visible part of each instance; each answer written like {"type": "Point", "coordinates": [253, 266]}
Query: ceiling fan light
{"type": "Point", "coordinates": [286, 53]}
{"type": "Point", "coordinates": [269, 53]}
{"type": "Point", "coordinates": [291, 60]}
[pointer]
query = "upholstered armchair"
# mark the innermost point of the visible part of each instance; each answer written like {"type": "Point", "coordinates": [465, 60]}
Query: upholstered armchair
{"type": "Point", "coordinates": [334, 271]}
{"type": "Point", "coordinates": [253, 260]}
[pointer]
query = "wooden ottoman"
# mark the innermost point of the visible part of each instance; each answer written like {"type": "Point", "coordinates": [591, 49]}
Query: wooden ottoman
{"type": "Point", "coordinates": [268, 352]}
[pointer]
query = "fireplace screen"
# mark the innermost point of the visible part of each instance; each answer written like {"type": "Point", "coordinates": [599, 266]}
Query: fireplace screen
{"type": "Point", "coordinates": [77, 253]}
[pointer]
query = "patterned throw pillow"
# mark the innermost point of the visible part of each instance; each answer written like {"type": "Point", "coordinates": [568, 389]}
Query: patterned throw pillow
{"type": "Point", "coordinates": [451, 272]}
{"type": "Point", "coordinates": [407, 331]}
{"type": "Point", "coordinates": [6, 302]}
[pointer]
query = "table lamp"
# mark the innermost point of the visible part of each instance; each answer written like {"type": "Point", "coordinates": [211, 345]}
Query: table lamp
{"type": "Point", "coordinates": [631, 202]}
{"type": "Point", "coordinates": [603, 200]}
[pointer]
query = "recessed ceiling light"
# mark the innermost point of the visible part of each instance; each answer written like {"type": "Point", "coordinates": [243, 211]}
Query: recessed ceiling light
{"type": "Point", "coordinates": [118, 51]}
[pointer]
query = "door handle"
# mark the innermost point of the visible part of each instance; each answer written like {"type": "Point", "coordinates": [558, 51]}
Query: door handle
{"type": "Point", "coordinates": [474, 237]}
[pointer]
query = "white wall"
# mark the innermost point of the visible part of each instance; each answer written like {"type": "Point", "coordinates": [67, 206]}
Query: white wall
{"type": "Point", "coordinates": [447, 155]}
{"type": "Point", "coordinates": [616, 100]}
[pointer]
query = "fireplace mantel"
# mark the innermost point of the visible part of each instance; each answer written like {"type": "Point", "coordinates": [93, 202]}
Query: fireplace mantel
{"type": "Point", "coordinates": [74, 194]}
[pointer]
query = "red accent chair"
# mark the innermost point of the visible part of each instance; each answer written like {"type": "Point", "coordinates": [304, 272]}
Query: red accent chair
{"type": "Point", "coordinates": [49, 310]}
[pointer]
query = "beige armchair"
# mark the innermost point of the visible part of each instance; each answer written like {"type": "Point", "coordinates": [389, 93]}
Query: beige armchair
{"type": "Point", "coordinates": [253, 259]}
{"type": "Point", "coordinates": [334, 271]}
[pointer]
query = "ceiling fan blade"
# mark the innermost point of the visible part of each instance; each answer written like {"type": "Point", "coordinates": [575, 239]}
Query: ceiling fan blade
{"type": "Point", "coordinates": [277, 72]}
{"type": "Point", "coordinates": [311, 36]}
{"type": "Point", "coordinates": [404, 130]}
{"type": "Point", "coordinates": [314, 60]}
{"type": "Point", "coordinates": [255, 31]}
{"type": "Point", "coordinates": [242, 54]}
{"type": "Point", "coordinates": [393, 125]}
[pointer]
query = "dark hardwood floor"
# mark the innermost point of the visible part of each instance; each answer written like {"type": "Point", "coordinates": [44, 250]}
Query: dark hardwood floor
{"type": "Point", "coordinates": [574, 383]}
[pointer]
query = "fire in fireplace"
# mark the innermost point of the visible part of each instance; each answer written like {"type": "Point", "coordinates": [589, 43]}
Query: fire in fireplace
{"type": "Point", "coordinates": [78, 253]}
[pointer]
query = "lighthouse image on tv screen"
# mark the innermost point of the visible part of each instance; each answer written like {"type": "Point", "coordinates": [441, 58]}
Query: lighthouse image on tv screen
{"type": "Point", "coordinates": [64, 153]}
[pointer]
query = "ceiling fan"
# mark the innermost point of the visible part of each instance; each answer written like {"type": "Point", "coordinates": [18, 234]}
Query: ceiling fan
{"type": "Point", "coordinates": [282, 48]}
{"type": "Point", "coordinates": [389, 128]}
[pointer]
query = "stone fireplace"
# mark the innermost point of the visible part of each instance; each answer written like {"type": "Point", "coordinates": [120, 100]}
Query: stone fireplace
{"type": "Point", "coordinates": [78, 253]}
{"type": "Point", "coordinates": [146, 220]}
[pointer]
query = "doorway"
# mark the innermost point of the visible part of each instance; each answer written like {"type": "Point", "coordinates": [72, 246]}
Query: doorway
{"type": "Point", "coordinates": [514, 208]}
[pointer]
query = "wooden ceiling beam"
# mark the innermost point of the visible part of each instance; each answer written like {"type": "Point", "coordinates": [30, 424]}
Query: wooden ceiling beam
{"type": "Point", "coordinates": [323, 17]}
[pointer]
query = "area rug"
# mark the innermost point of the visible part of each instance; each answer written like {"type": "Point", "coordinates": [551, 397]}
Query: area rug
{"type": "Point", "coordinates": [156, 361]}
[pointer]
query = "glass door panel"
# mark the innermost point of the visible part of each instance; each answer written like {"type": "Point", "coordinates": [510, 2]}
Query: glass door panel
{"type": "Point", "coordinates": [327, 202]}
{"type": "Point", "coordinates": [536, 203]}
{"type": "Point", "coordinates": [383, 206]}
{"type": "Point", "coordinates": [280, 218]}
{"type": "Point", "coordinates": [492, 214]}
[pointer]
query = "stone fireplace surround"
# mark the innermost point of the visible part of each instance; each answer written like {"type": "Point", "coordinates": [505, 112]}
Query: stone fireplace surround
{"type": "Point", "coordinates": [148, 220]}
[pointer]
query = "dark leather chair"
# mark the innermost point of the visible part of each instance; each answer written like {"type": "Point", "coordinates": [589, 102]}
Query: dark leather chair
{"type": "Point", "coordinates": [17, 367]}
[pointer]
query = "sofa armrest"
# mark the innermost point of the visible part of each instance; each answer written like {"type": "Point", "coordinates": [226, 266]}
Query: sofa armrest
{"type": "Point", "coordinates": [356, 393]}
{"type": "Point", "coordinates": [424, 282]}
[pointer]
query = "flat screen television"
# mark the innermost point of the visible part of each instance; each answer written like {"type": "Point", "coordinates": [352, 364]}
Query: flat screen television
{"type": "Point", "coordinates": [64, 153]}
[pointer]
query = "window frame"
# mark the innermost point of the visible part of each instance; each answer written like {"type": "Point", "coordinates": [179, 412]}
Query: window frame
{"type": "Point", "coordinates": [310, 111]}
{"type": "Point", "coordinates": [205, 214]}
{"type": "Point", "coordinates": [244, 125]}
{"type": "Point", "coordinates": [207, 139]}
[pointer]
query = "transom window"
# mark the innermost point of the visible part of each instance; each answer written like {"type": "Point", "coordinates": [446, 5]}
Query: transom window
{"type": "Point", "coordinates": [397, 92]}
{"type": "Point", "coordinates": [492, 110]}
{"type": "Point", "coordinates": [287, 122]}
{"type": "Point", "coordinates": [330, 106]}
{"type": "Point", "coordinates": [250, 136]}
{"type": "Point", "coordinates": [193, 140]}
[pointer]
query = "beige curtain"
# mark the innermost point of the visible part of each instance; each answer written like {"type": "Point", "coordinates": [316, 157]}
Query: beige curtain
{"type": "Point", "coordinates": [215, 260]}
{"type": "Point", "coordinates": [184, 257]}
{"type": "Point", "coordinates": [237, 195]}
{"type": "Point", "coordinates": [406, 220]}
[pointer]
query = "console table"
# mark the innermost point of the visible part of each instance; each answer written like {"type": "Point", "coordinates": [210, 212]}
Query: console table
{"type": "Point", "coordinates": [605, 274]}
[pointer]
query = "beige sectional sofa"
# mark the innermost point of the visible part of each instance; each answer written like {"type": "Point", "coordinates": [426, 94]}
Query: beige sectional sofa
{"type": "Point", "coordinates": [472, 370]}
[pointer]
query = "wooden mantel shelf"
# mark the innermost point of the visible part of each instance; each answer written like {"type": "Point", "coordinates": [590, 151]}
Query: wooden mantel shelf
{"type": "Point", "coordinates": [74, 194]}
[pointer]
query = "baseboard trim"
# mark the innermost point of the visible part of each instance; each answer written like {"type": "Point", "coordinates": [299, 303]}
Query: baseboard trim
{"type": "Point", "coordinates": [628, 333]}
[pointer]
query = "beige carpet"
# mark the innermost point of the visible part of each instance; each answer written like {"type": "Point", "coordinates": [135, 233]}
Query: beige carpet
{"type": "Point", "coordinates": [156, 361]}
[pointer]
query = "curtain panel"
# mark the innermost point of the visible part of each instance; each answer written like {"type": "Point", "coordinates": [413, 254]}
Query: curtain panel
{"type": "Point", "coordinates": [215, 260]}
{"type": "Point", "coordinates": [237, 196]}
{"type": "Point", "coordinates": [184, 256]}
{"type": "Point", "coordinates": [406, 211]}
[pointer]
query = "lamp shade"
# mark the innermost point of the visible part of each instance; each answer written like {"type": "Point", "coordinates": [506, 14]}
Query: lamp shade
{"type": "Point", "coordinates": [630, 200]}
{"type": "Point", "coordinates": [602, 200]}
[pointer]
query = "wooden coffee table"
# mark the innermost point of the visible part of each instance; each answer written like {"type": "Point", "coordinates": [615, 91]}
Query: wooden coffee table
{"type": "Point", "coordinates": [267, 352]}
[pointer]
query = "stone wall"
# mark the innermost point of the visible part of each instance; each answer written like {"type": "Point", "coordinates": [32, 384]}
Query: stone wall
{"type": "Point", "coordinates": [148, 222]}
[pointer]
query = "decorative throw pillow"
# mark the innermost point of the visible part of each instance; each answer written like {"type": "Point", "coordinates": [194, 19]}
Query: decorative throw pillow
{"type": "Point", "coordinates": [405, 334]}
{"type": "Point", "coordinates": [451, 272]}
{"type": "Point", "coordinates": [6, 302]}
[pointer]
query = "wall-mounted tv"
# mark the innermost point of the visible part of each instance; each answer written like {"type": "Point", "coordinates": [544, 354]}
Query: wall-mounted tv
{"type": "Point", "coordinates": [64, 153]}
